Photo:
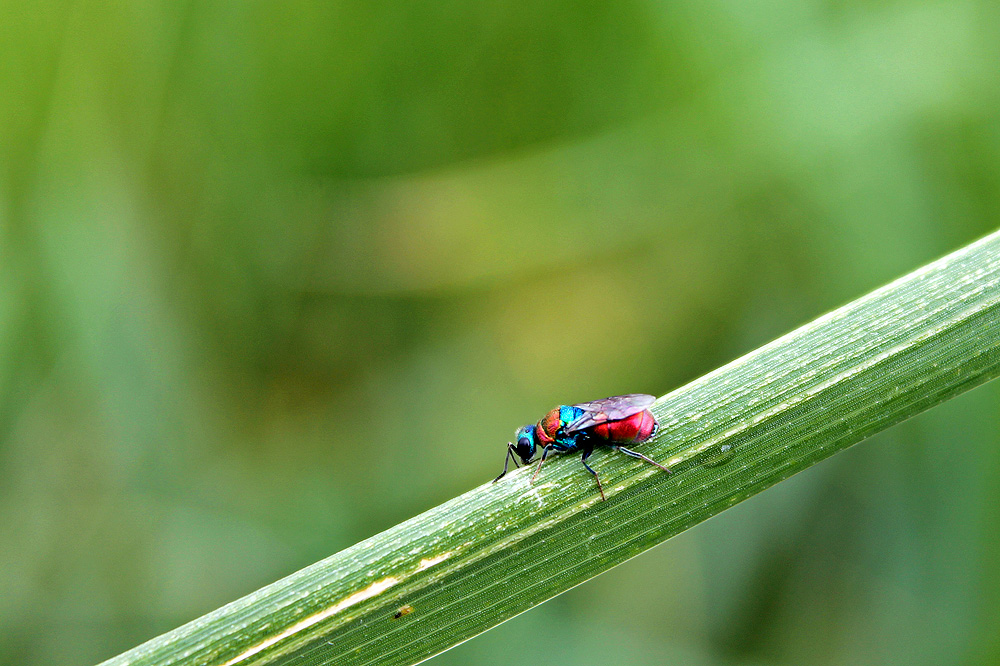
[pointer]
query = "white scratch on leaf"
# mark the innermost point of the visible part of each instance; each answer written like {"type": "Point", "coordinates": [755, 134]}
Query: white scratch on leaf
{"type": "Point", "coordinates": [372, 590]}
{"type": "Point", "coordinates": [533, 493]}
{"type": "Point", "coordinates": [428, 562]}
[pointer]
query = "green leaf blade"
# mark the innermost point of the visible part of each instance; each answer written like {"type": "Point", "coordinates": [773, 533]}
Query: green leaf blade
{"type": "Point", "coordinates": [500, 549]}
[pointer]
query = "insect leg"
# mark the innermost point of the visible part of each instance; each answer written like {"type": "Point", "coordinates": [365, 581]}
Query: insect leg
{"type": "Point", "coordinates": [586, 454]}
{"type": "Point", "coordinates": [545, 452]}
{"type": "Point", "coordinates": [510, 456]}
{"type": "Point", "coordinates": [642, 457]}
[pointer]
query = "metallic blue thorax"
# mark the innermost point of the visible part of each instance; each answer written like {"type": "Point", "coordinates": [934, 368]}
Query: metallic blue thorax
{"type": "Point", "coordinates": [567, 442]}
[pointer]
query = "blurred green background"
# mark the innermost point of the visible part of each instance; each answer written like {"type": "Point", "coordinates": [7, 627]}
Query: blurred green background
{"type": "Point", "coordinates": [277, 276]}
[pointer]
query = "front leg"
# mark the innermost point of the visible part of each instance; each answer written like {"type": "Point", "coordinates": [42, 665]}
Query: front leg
{"type": "Point", "coordinates": [510, 457]}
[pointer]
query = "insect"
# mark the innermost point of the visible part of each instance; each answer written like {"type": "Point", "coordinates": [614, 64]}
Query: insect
{"type": "Point", "coordinates": [403, 610]}
{"type": "Point", "coordinates": [620, 419]}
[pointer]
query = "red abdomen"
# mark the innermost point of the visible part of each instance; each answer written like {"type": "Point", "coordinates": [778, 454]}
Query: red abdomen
{"type": "Point", "coordinates": [636, 428]}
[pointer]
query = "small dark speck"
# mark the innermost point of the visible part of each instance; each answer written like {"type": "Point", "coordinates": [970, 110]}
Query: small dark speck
{"type": "Point", "coordinates": [403, 610]}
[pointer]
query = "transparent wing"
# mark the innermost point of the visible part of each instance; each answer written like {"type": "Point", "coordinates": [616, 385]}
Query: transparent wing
{"type": "Point", "coordinates": [614, 408]}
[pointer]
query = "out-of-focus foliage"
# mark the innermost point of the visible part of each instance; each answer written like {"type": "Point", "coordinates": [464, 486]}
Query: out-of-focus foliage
{"type": "Point", "coordinates": [265, 266]}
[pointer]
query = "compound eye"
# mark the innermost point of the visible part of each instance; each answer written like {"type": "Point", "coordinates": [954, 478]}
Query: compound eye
{"type": "Point", "coordinates": [523, 443]}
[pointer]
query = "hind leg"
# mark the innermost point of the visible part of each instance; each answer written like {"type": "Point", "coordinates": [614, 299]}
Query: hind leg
{"type": "Point", "coordinates": [642, 457]}
{"type": "Point", "coordinates": [586, 454]}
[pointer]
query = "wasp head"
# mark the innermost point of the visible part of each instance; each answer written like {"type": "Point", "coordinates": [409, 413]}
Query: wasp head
{"type": "Point", "coordinates": [525, 445]}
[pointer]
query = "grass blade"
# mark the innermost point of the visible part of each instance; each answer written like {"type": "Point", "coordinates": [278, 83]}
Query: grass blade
{"type": "Point", "coordinates": [475, 561]}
